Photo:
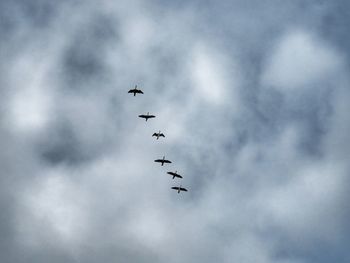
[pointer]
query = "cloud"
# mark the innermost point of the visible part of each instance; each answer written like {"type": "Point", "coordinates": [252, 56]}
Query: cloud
{"type": "Point", "coordinates": [55, 205]}
{"type": "Point", "coordinates": [299, 61]}
{"type": "Point", "coordinates": [255, 119]}
{"type": "Point", "coordinates": [207, 76]}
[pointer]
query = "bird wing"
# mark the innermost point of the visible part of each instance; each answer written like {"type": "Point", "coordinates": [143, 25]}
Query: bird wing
{"type": "Point", "coordinates": [131, 91]}
{"type": "Point", "coordinates": [175, 188]}
{"type": "Point", "coordinates": [151, 116]}
{"type": "Point", "coordinates": [158, 160]}
{"type": "Point", "coordinates": [183, 189]}
{"type": "Point", "coordinates": [143, 116]}
{"type": "Point", "coordinates": [161, 135]}
{"type": "Point", "coordinates": [167, 161]}
{"type": "Point", "coordinates": [139, 91]}
{"type": "Point", "coordinates": [171, 173]}
{"type": "Point", "coordinates": [178, 176]}
{"type": "Point", "coordinates": [154, 134]}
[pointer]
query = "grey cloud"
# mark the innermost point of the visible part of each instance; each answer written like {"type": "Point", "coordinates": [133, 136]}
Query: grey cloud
{"type": "Point", "coordinates": [266, 162]}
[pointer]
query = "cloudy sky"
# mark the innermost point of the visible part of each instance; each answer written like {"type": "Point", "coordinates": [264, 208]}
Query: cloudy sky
{"type": "Point", "coordinates": [252, 96]}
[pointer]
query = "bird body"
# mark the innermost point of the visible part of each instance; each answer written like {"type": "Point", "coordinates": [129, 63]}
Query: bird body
{"type": "Point", "coordinates": [135, 90]}
{"type": "Point", "coordinates": [159, 134]}
{"type": "Point", "coordinates": [162, 161]}
{"type": "Point", "coordinates": [179, 189]}
{"type": "Point", "coordinates": [174, 174]}
{"type": "Point", "coordinates": [147, 116]}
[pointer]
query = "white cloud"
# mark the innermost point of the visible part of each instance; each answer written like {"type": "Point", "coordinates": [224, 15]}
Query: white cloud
{"type": "Point", "coordinates": [300, 60]}
{"type": "Point", "coordinates": [303, 205]}
{"type": "Point", "coordinates": [53, 211]}
{"type": "Point", "coordinates": [138, 33]}
{"type": "Point", "coordinates": [208, 74]}
{"type": "Point", "coordinates": [241, 185]}
{"type": "Point", "coordinates": [30, 102]}
{"type": "Point", "coordinates": [29, 109]}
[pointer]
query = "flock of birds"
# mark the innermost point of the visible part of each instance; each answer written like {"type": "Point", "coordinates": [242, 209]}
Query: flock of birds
{"type": "Point", "coordinates": [158, 135]}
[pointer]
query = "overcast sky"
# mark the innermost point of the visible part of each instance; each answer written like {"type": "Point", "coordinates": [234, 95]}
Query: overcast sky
{"type": "Point", "coordinates": [252, 96]}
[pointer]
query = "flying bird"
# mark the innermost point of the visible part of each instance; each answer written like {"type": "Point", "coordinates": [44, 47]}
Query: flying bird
{"type": "Point", "coordinates": [159, 134]}
{"type": "Point", "coordinates": [135, 90]}
{"type": "Point", "coordinates": [162, 161]}
{"type": "Point", "coordinates": [174, 174]}
{"type": "Point", "coordinates": [147, 116]}
{"type": "Point", "coordinates": [179, 189]}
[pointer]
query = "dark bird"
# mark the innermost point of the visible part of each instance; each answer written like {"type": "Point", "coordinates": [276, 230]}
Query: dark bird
{"type": "Point", "coordinates": [179, 189]}
{"type": "Point", "coordinates": [147, 116]}
{"type": "Point", "coordinates": [162, 161]}
{"type": "Point", "coordinates": [158, 135]}
{"type": "Point", "coordinates": [174, 174]}
{"type": "Point", "coordinates": [135, 90]}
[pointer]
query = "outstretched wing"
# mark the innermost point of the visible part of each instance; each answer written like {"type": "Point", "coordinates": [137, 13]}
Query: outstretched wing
{"type": "Point", "coordinates": [161, 135]}
{"type": "Point", "coordinates": [176, 188]}
{"type": "Point", "coordinates": [183, 189]}
{"type": "Point", "coordinates": [154, 134]}
{"type": "Point", "coordinates": [174, 174]}
{"type": "Point", "coordinates": [151, 116]}
{"type": "Point", "coordinates": [139, 91]}
{"type": "Point", "coordinates": [158, 160]}
{"type": "Point", "coordinates": [143, 116]}
{"type": "Point", "coordinates": [131, 91]}
{"type": "Point", "coordinates": [167, 161]}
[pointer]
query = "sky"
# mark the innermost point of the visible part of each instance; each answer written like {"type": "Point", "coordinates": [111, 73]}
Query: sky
{"type": "Point", "coordinates": [252, 96]}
